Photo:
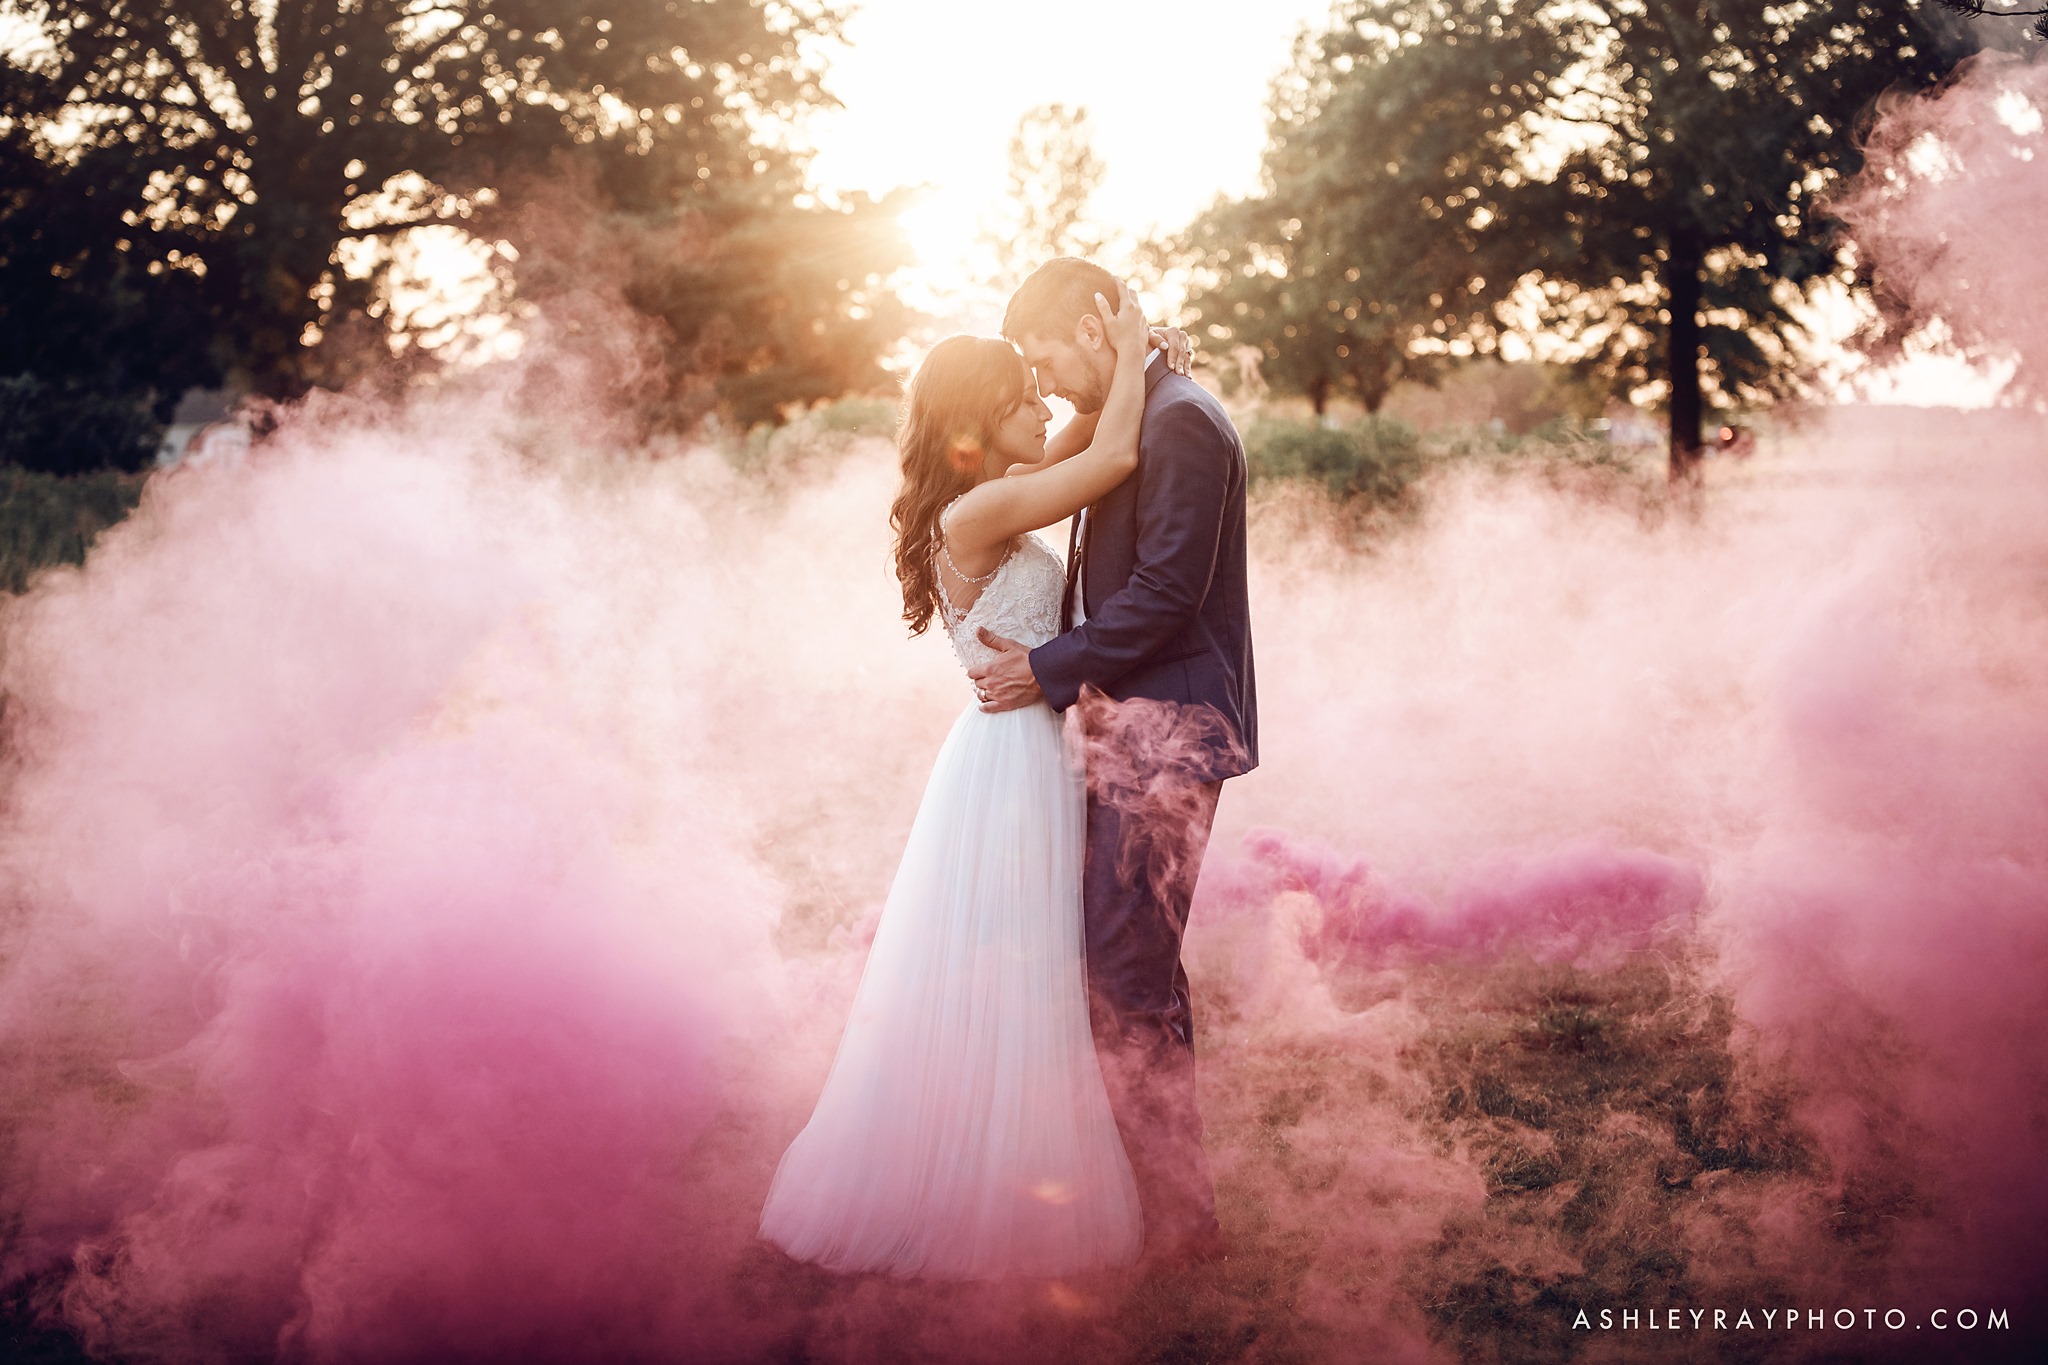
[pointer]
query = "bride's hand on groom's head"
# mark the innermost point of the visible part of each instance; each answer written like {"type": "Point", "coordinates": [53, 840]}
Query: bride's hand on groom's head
{"type": "Point", "coordinates": [1126, 326]}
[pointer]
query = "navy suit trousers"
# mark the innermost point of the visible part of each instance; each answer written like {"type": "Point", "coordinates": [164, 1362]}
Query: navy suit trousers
{"type": "Point", "coordinates": [1143, 855]}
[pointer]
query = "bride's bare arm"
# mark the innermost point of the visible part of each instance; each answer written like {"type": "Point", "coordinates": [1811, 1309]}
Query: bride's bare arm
{"type": "Point", "coordinates": [993, 512]}
{"type": "Point", "coordinates": [1069, 441]}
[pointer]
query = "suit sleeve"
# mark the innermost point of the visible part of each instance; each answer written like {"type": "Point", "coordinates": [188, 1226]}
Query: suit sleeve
{"type": "Point", "coordinates": [1185, 474]}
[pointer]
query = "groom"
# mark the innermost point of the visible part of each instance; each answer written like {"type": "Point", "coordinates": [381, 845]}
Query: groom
{"type": "Point", "coordinates": [1156, 649]}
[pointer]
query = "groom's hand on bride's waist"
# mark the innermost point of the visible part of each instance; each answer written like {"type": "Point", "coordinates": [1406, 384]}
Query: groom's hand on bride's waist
{"type": "Point", "coordinates": [1005, 682]}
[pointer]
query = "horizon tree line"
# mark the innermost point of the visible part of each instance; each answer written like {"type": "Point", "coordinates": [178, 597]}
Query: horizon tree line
{"type": "Point", "coordinates": [195, 192]}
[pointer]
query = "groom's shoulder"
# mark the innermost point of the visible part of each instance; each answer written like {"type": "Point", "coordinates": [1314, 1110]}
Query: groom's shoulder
{"type": "Point", "coordinates": [1186, 405]}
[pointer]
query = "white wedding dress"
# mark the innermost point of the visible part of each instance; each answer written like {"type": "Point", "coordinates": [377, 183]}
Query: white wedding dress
{"type": "Point", "coordinates": [964, 1132]}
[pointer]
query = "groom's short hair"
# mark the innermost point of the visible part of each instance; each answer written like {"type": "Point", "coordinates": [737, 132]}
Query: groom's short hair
{"type": "Point", "coordinates": [1056, 297]}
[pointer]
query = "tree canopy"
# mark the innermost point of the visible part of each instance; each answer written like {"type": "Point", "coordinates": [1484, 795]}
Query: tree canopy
{"type": "Point", "coordinates": [1979, 9]}
{"type": "Point", "coordinates": [1640, 181]}
{"type": "Point", "coordinates": [187, 180]}
{"type": "Point", "coordinates": [1054, 172]}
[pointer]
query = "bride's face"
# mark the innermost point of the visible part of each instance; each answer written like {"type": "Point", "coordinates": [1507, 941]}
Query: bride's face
{"type": "Point", "coordinates": [1020, 437]}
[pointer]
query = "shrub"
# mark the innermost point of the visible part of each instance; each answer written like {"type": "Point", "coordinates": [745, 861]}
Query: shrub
{"type": "Point", "coordinates": [858, 417]}
{"type": "Point", "coordinates": [1375, 458]}
{"type": "Point", "coordinates": [808, 441]}
{"type": "Point", "coordinates": [59, 429]}
{"type": "Point", "coordinates": [50, 519]}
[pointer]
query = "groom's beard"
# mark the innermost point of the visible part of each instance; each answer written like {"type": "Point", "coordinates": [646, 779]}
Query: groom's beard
{"type": "Point", "coordinates": [1090, 400]}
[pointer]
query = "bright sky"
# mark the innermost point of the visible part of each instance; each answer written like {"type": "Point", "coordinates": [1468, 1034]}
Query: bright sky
{"type": "Point", "coordinates": [1176, 95]}
{"type": "Point", "coordinates": [933, 89]}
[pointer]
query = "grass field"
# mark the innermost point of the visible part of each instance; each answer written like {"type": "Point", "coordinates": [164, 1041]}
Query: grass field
{"type": "Point", "coordinates": [1525, 1141]}
{"type": "Point", "coordinates": [51, 518]}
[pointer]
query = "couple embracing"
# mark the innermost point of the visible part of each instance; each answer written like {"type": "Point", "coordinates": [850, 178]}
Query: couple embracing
{"type": "Point", "coordinates": [1014, 1091]}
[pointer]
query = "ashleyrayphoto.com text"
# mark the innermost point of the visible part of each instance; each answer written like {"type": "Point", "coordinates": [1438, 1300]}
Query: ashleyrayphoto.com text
{"type": "Point", "coordinates": [1791, 1319]}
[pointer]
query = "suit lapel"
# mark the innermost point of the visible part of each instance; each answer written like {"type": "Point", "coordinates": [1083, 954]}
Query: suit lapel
{"type": "Point", "coordinates": [1077, 541]}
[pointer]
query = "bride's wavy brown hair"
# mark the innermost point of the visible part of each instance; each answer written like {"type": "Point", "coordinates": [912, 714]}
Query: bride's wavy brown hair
{"type": "Point", "coordinates": [962, 392]}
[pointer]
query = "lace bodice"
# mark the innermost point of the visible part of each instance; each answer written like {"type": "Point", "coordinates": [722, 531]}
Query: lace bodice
{"type": "Point", "coordinates": [1022, 603]}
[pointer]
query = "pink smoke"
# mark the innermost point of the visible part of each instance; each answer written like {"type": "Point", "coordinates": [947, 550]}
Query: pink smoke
{"type": "Point", "coordinates": [1582, 904]}
{"type": "Point", "coordinates": [378, 962]}
{"type": "Point", "coordinates": [1821, 704]}
{"type": "Point", "coordinates": [436, 858]}
{"type": "Point", "coordinates": [1941, 209]}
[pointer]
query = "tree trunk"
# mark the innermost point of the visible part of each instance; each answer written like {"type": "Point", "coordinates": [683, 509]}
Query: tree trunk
{"type": "Point", "coordinates": [1682, 266]}
{"type": "Point", "coordinates": [1373, 385]}
{"type": "Point", "coordinates": [1319, 393]}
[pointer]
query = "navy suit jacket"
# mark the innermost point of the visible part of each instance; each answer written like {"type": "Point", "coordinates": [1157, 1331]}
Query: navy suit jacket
{"type": "Point", "coordinates": [1162, 570]}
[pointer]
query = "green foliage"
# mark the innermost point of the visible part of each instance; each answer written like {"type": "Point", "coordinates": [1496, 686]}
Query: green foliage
{"type": "Point", "coordinates": [1054, 172]}
{"type": "Point", "coordinates": [1980, 9]}
{"type": "Point", "coordinates": [1607, 1112]}
{"type": "Point", "coordinates": [49, 519]}
{"type": "Point", "coordinates": [777, 453]}
{"type": "Point", "coordinates": [859, 417]}
{"type": "Point", "coordinates": [73, 306]}
{"type": "Point", "coordinates": [1441, 172]}
{"type": "Point", "coordinates": [784, 304]}
{"type": "Point", "coordinates": [202, 188]}
{"type": "Point", "coordinates": [1278, 274]}
{"type": "Point", "coordinates": [1378, 464]}
{"type": "Point", "coordinates": [64, 429]}
{"type": "Point", "coordinates": [1375, 458]}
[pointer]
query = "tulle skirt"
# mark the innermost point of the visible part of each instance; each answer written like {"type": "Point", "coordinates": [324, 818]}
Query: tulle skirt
{"type": "Point", "coordinates": [964, 1131]}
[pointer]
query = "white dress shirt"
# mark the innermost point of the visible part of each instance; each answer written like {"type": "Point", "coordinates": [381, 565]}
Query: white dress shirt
{"type": "Point", "coordinates": [1077, 605]}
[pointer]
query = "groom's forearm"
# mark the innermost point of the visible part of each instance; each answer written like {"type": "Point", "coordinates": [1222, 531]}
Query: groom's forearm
{"type": "Point", "coordinates": [1058, 673]}
{"type": "Point", "coordinates": [1131, 627]}
{"type": "Point", "coordinates": [1180, 524]}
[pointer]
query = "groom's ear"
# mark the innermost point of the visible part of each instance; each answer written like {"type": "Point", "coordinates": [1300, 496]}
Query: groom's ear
{"type": "Point", "coordinates": [1089, 333]}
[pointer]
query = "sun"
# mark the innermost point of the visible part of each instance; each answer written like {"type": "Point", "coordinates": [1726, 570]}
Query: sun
{"type": "Point", "coordinates": [953, 259]}
{"type": "Point", "coordinates": [943, 227]}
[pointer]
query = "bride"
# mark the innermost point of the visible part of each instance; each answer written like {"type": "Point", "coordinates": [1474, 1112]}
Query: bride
{"type": "Point", "coordinates": [964, 1131]}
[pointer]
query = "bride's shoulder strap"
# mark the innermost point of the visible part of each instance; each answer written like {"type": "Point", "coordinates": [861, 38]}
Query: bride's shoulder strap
{"type": "Point", "coordinates": [945, 515]}
{"type": "Point", "coordinates": [946, 551]}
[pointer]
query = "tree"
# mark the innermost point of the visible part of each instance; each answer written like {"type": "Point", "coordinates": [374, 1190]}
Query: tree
{"type": "Point", "coordinates": [1332, 304]}
{"type": "Point", "coordinates": [766, 303]}
{"type": "Point", "coordinates": [1054, 172]}
{"type": "Point", "coordinates": [1637, 179]}
{"type": "Point", "coordinates": [1978, 9]}
{"type": "Point", "coordinates": [221, 159]}
{"type": "Point", "coordinates": [1272, 273]}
